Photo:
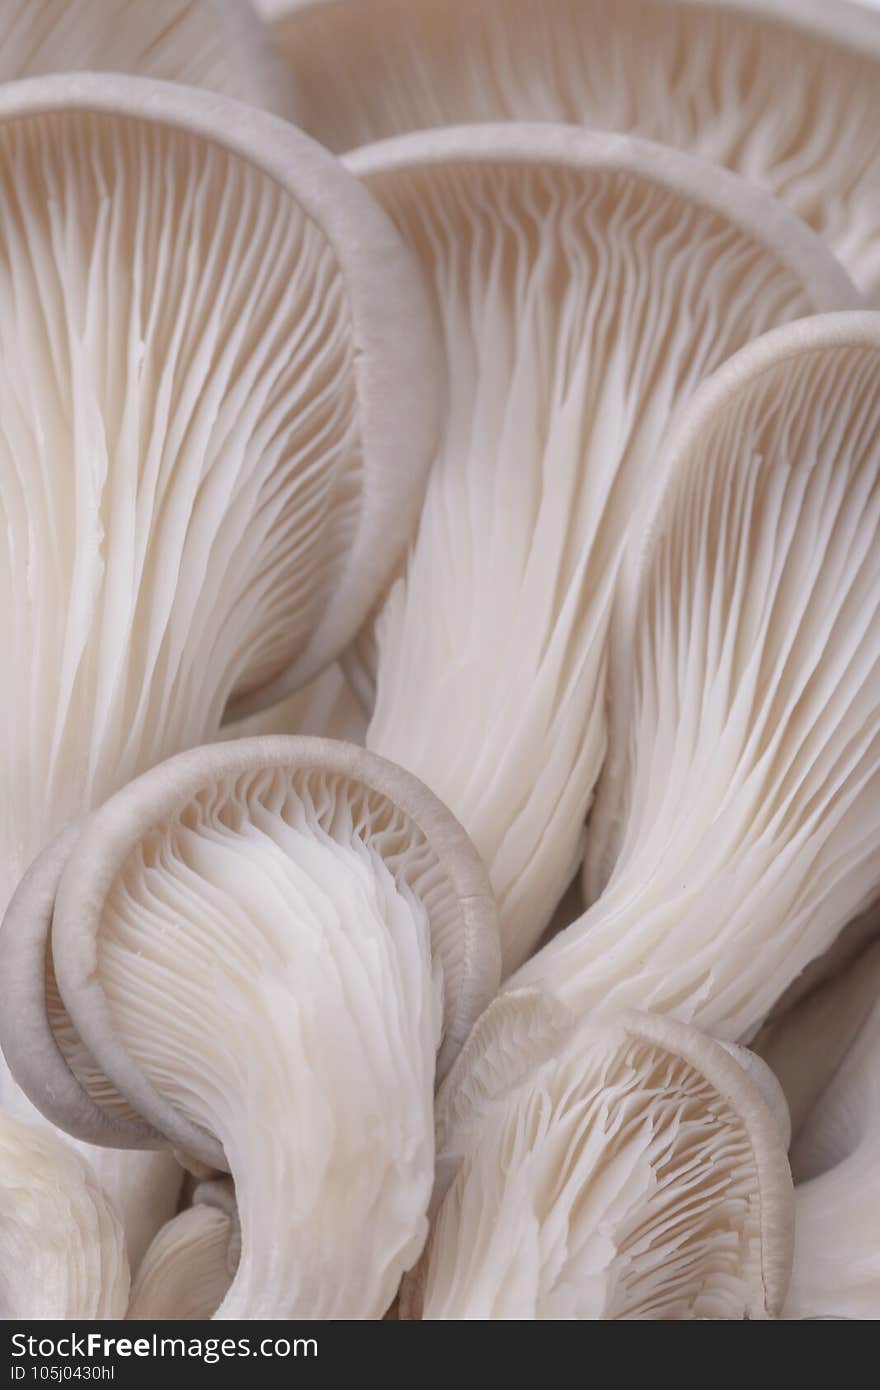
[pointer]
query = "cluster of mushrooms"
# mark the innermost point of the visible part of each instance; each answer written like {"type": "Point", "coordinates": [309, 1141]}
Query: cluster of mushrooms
{"type": "Point", "coordinates": [440, 614]}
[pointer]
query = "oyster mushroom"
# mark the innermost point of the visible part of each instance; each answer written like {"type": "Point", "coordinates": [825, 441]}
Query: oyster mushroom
{"type": "Point", "coordinates": [143, 1188]}
{"type": "Point", "coordinates": [827, 1054]}
{"type": "Point", "coordinates": [62, 1246]}
{"type": "Point", "coordinates": [704, 77]}
{"type": "Point", "coordinates": [190, 1264]}
{"type": "Point", "coordinates": [218, 44]}
{"type": "Point", "coordinates": [217, 407]}
{"type": "Point", "coordinates": [585, 284]}
{"type": "Point", "coordinates": [740, 802]}
{"type": "Point", "coordinates": [617, 1167]}
{"type": "Point", "coordinates": [264, 949]}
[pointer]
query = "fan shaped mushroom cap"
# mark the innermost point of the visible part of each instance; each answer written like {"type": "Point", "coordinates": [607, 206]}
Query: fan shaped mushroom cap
{"type": "Point", "coordinates": [243, 942]}
{"type": "Point", "coordinates": [829, 1060]}
{"type": "Point", "coordinates": [584, 283]}
{"type": "Point", "coordinates": [704, 77]}
{"type": "Point", "coordinates": [217, 44]}
{"type": "Point", "coordinates": [191, 1263]}
{"type": "Point", "coordinates": [62, 1247]}
{"type": "Point", "coordinates": [740, 803]}
{"type": "Point", "coordinates": [617, 1167]}
{"type": "Point", "coordinates": [219, 394]}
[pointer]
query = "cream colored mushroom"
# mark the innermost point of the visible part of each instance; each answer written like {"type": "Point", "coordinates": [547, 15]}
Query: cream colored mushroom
{"type": "Point", "coordinates": [263, 948]}
{"type": "Point", "coordinates": [620, 1167]}
{"type": "Point", "coordinates": [785, 92]}
{"type": "Point", "coordinates": [218, 44]}
{"type": "Point", "coordinates": [585, 284]}
{"type": "Point", "coordinates": [191, 1263]}
{"type": "Point", "coordinates": [62, 1246]}
{"type": "Point", "coordinates": [218, 399]}
{"type": "Point", "coordinates": [739, 807]}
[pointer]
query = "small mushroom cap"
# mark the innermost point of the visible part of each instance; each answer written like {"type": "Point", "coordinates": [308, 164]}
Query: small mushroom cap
{"type": "Point", "coordinates": [620, 1167]}
{"type": "Point", "coordinates": [191, 1262]}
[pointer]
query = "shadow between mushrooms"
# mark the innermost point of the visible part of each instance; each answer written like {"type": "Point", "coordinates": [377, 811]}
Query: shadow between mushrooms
{"type": "Point", "coordinates": [585, 284]}
{"type": "Point", "coordinates": [826, 1053]}
{"type": "Point", "coordinates": [739, 807]}
{"type": "Point", "coordinates": [262, 949]}
{"type": "Point", "coordinates": [617, 1167]}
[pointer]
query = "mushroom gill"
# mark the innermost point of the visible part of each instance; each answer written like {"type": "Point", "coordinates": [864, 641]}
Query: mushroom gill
{"type": "Point", "coordinates": [262, 947]}
{"type": "Point", "coordinates": [585, 285]}
{"type": "Point", "coordinates": [204, 479]}
{"type": "Point", "coordinates": [784, 92]}
{"type": "Point", "coordinates": [620, 1167]}
{"type": "Point", "coordinates": [737, 824]}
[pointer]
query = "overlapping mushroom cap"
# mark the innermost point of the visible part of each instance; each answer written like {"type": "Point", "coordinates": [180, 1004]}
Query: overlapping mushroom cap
{"type": "Point", "coordinates": [189, 1266]}
{"type": "Point", "coordinates": [218, 398]}
{"type": "Point", "coordinates": [585, 285]}
{"type": "Point", "coordinates": [740, 802]}
{"type": "Point", "coordinates": [786, 92]}
{"type": "Point", "coordinates": [217, 44]}
{"type": "Point", "coordinates": [620, 1167]}
{"type": "Point", "coordinates": [261, 948]}
{"type": "Point", "coordinates": [62, 1245]}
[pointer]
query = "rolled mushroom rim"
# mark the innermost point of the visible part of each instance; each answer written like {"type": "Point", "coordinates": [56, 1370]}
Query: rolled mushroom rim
{"type": "Point", "coordinates": [26, 1037]}
{"type": "Point", "coordinates": [398, 368]}
{"type": "Point", "coordinates": [818, 333]}
{"type": "Point", "coordinates": [570, 147]}
{"type": "Point", "coordinates": [706, 1056]}
{"type": "Point", "coordinates": [112, 833]}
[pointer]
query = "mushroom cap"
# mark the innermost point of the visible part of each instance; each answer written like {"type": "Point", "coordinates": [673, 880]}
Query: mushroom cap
{"type": "Point", "coordinates": [62, 1245]}
{"type": "Point", "coordinates": [218, 44]}
{"type": "Point", "coordinates": [585, 283]}
{"type": "Point", "coordinates": [262, 947]}
{"type": "Point", "coordinates": [191, 1262]}
{"type": "Point", "coordinates": [740, 800]}
{"type": "Point", "coordinates": [218, 358]}
{"type": "Point", "coordinates": [704, 77]}
{"type": "Point", "coordinates": [620, 1166]}
{"type": "Point", "coordinates": [107, 1098]}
